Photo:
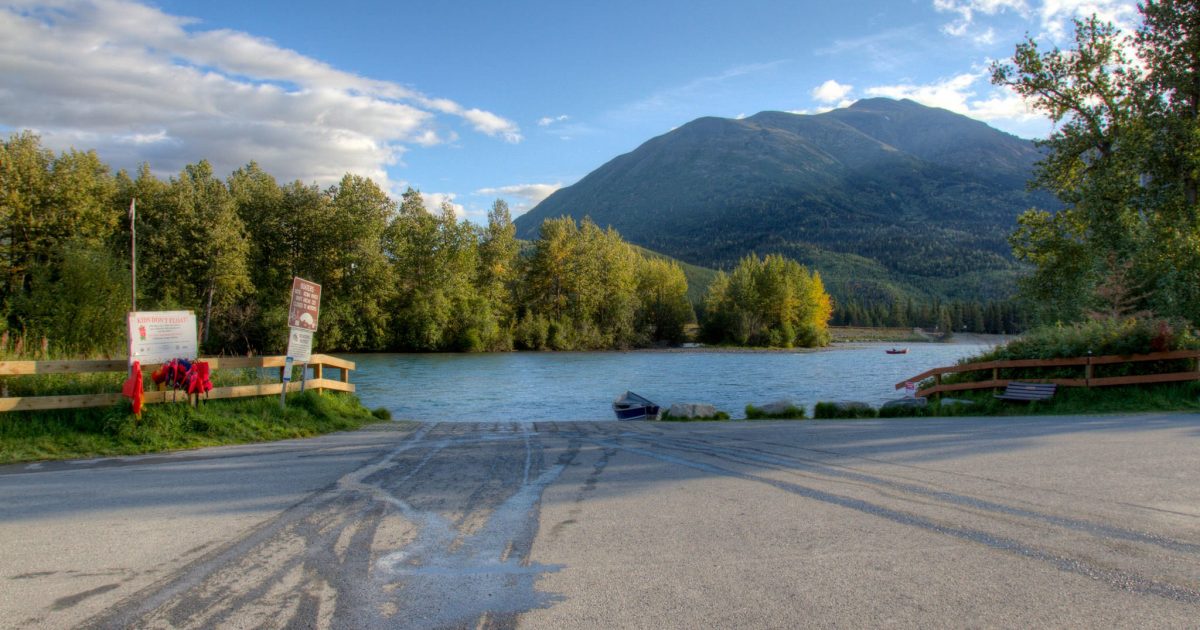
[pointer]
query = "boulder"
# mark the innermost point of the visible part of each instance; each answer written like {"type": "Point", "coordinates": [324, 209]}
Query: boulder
{"type": "Point", "coordinates": [906, 402]}
{"type": "Point", "coordinates": [692, 410]}
{"type": "Point", "coordinates": [778, 407]}
{"type": "Point", "coordinates": [851, 405]}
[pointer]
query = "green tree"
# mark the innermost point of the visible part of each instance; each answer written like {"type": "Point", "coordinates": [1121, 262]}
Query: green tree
{"type": "Point", "coordinates": [664, 310]}
{"type": "Point", "coordinates": [497, 277]}
{"type": "Point", "coordinates": [357, 281]}
{"type": "Point", "coordinates": [773, 301]}
{"type": "Point", "coordinates": [48, 205]}
{"type": "Point", "coordinates": [192, 245]}
{"type": "Point", "coordinates": [1124, 159]}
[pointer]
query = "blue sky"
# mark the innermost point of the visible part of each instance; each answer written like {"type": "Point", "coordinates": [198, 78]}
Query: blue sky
{"type": "Point", "coordinates": [474, 101]}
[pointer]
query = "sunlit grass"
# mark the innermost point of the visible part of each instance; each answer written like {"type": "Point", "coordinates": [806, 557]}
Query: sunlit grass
{"type": "Point", "coordinates": [63, 434]}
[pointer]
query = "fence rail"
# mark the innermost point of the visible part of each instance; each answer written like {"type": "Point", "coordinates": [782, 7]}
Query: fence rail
{"type": "Point", "coordinates": [318, 364]}
{"type": "Point", "coordinates": [1087, 363]}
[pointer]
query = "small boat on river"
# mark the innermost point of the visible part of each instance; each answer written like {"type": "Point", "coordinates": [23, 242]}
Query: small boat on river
{"type": "Point", "coordinates": [897, 351]}
{"type": "Point", "coordinates": [630, 406]}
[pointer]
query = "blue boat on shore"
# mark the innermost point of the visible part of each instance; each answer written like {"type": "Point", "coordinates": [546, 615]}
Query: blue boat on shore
{"type": "Point", "coordinates": [630, 406]}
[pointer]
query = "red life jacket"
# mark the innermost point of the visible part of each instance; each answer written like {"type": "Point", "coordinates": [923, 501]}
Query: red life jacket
{"type": "Point", "coordinates": [133, 387]}
{"type": "Point", "coordinates": [198, 379]}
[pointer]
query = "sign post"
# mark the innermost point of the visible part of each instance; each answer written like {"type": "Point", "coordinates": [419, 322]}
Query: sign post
{"type": "Point", "coordinates": [303, 314]}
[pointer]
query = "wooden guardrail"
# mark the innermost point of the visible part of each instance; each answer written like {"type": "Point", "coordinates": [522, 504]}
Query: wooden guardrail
{"type": "Point", "coordinates": [319, 363]}
{"type": "Point", "coordinates": [1088, 380]}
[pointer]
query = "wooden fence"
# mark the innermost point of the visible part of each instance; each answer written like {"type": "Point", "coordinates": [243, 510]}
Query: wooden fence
{"type": "Point", "coordinates": [1086, 363]}
{"type": "Point", "coordinates": [318, 365]}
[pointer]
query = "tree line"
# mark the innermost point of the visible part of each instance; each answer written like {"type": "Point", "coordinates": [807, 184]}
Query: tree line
{"type": "Point", "coordinates": [992, 317]}
{"type": "Point", "coordinates": [395, 275]}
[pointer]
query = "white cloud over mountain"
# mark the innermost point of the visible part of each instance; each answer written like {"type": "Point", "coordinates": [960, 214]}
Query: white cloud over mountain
{"type": "Point", "coordinates": [138, 84]}
{"type": "Point", "coordinates": [523, 196]}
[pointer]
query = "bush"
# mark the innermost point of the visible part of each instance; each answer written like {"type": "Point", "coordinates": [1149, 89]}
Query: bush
{"type": "Point", "coordinates": [382, 413]}
{"type": "Point", "coordinates": [906, 411]}
{"type": "Point", "coordinates": [1100, 337]}
{"type": "Point", "coordinates": [667, 417]}
{"type": "Point", "coordinates": [791, 413]}
{"type": "Point", "coordinates": [832, 410]}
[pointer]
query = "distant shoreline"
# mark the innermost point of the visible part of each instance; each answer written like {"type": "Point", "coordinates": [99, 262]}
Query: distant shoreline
{"type": "Point", "coordinates": [981, 339]}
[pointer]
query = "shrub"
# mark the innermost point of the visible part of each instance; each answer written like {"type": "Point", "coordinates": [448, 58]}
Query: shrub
{"type": "Point", "coordinates": [791, 413]}
{"type": "Point", "coordinates": [667, 417]}
{"type": "Point", "coordinates": [831, 410]}
{"type": "Point", "coordinates": [382, 413]}
{"type": "Point", "coordinates": [906, 411]}
{"type": "Point", "coordinates": [1109, 336]}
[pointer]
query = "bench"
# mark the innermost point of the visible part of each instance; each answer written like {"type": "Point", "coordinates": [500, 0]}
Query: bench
{"type": "Point", "coordinates": [1028, 392]}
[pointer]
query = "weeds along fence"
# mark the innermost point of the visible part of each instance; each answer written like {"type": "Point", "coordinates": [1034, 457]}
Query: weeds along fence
{"type": "Point", "coordinates": [320, 366]}
{"type": "Point", "coordinates": [1005, 372]}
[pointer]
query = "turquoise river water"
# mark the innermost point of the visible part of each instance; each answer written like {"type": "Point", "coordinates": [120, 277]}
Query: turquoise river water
{"type": "Point", "coordinates": [533, 386]}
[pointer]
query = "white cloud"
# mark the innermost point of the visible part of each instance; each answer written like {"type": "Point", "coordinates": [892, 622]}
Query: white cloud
{"type": "Point", "coordinates": [831, 92]}
{"type": "Point", "coordinates": [433, 202]}
{"type": "Point", "coordinates": [959, 94]}
{"type": "Point", "coordinates": [964, 25]}
{"type": "Point", "coordinates": [522, 197]}
{"type": "Point", "coordinates": [546, 121]}
{"type": "Point", "coordinates": [1056, 15]}
{"type": "Point", "coordinates": [1053, 16]}
{"type": "Point", "coordinates": [138, 84]}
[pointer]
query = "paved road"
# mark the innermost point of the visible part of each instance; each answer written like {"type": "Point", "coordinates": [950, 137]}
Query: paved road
{"type": "Point", "coordinates": [1084, 522]}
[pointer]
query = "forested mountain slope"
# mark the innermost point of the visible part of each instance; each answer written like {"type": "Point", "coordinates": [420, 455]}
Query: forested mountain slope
{"type": "Point", "coordinates": [884, 197]}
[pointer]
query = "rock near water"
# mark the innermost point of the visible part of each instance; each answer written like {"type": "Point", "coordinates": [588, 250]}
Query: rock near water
{"type": "Point", "coordinates": [692, 410]}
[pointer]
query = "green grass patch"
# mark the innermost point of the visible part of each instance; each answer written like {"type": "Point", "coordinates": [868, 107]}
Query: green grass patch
{"type": "Point", "coordinates": [791, 413]}
{"type": "Point", "coordinates": [74, 433]}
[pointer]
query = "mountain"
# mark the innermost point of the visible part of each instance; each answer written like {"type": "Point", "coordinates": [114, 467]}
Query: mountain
{"type": "Point", "coordinates": [884, 198]}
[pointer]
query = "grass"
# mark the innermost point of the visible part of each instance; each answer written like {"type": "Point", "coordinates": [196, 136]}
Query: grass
{"type": "Point", "coordinates": [1079, 400]}
{"type": "Point", "coordinates": [75, 433]}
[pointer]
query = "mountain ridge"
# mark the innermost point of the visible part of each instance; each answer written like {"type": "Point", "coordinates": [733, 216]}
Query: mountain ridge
{"type": "Point", "coordinates": [925, 193]}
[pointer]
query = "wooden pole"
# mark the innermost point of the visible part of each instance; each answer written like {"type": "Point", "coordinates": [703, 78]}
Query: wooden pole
{"type": "Point", "coordinates": [133, 252]}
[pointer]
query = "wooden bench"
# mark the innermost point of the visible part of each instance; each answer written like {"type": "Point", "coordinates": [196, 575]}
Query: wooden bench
{"type": "Point", "coordinates": [1028, 392]}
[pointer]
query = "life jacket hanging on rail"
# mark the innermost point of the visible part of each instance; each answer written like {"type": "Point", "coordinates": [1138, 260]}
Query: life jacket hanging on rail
{"type": "Point", "coordinates": [199, 379]}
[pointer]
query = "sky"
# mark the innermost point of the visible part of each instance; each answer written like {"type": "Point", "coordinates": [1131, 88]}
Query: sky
{"type": "Point", "coordinates": [475, 101]}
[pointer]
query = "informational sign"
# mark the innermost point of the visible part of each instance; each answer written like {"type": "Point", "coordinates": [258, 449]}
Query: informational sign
{"type": "Point", "coordinates": [159, 336]}
{"type": "Point", "coordinates": [910, 389]}
{"type": "Point", "coordinates": [300, 344]}
{"type": "Point", "coordinates": [306, 304]}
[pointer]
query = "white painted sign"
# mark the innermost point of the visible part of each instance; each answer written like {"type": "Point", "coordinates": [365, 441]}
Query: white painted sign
{"type": "Point", "coordinates": [300, 344]}
{"type": "Point", "coordinates": [910, 389]}
{"type": "Point", "coordinates": [159, 336]}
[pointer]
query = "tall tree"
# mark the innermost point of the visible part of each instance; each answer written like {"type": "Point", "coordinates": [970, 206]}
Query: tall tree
{"type": "Point", "coordinates": [1123, 158]}
{"type": "Point", "coordinates": [357, 280]}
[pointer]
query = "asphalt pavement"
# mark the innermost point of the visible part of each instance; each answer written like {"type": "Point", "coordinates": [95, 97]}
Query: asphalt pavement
{"type": "Point", "coordinates": [1001, 522]}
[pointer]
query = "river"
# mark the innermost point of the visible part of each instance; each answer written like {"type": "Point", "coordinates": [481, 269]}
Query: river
{"type": "Point", "coordinates": [530, 386]}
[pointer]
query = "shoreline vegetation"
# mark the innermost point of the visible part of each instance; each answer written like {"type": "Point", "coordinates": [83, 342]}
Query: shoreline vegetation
{"type": "Point", "coordinates": [395, 274]}
{"type": "Point", "coordinates": [114, 431]}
